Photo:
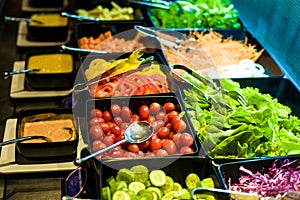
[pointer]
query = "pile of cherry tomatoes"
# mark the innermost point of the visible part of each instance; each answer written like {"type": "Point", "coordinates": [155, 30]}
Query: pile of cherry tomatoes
{"type": "Point", "coordinates": [170, 135]}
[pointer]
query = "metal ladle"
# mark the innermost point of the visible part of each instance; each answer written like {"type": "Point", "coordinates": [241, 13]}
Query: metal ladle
{"type": "Point", "coordinates": [24, 139]}
{"type": "Point", "coordinates": [136, 132]}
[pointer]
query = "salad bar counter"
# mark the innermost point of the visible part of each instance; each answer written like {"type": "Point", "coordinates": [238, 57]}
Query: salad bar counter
{"type": "Point", "coordinates": [145, 100]}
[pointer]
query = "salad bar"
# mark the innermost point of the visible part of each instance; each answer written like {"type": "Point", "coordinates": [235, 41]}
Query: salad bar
{"type": "Point", "coordinates": [148, 99]}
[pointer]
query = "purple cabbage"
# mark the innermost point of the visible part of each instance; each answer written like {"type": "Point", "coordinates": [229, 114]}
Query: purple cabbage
{"type": "Point", "coordinates": [280, 178]}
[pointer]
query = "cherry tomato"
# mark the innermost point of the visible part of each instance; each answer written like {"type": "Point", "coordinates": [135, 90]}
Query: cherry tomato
{"type": "Point", "coordinates": [120, 137]}
{"type": "Point", "coordinates": [171, 115]}
{"type": "Point", "coordinates": [150, 154]}
{"type": "Point", "coordinates": [154, 108]}
{"type": "Point", "coordinates": [111, 124]}
{"type": "Point", "coordinates": [95, 113]}
{"type": "Point", "coordinates": [176, 139]}
{"type": "Point", "coordinates": [155, 126]}
{"type": "Point", "coordinates": [115, 110]}
{"type": "Point", "coordinates": [135, 118]}
{"type": "Point", "coordinates": [155, 144]}
{"type": "Point", "coordinates": [161, 115]}
{"type": "Point", "coordinates": [170, 146]}
{"type": "Point", "coordinates": [118, 120]}
{"type": "Point", "coordinates": [116, 153]}
{"type": "Point", "coordinates": [179, 126]}
{"type": "Point", "coordinates": [175, 119]}
{"type": "Point", "coordinates": [109, 139]}
{"type": "Point", "coordinates": [186, 139]}
{"type": "Point", "coordinates": [168, 125]}
{"type": "Point", "coordinates": [96, 121]}
{"type": "Point", "coordinates": [124, 125]}
{"type": "Point", "coordinates": [144, 145]}
{"type": "Point", "coordinates": [169, 106]}
{"type": "Point", "coordinates": [126, 113]}
{"type": "Point", "coordinates": [141, 154]}
{"type": "Point", "coordinates": [176, 122]}
{"type": "Point", "coordinates": [97, 145]}
{"type": "Point", "coordinates": [105, 127]}
{"type": "Point", "coordinates": [96, 132]}
{"type": "Point", "coordinates": [116, 130]}
{"type": "Point", "coordinates": [134, 148]}
{"type": "Point", "coordinates": [160, 123]}
{"type": "Point", "coordinates": [107, 116]}
{"type": "Point", "coordinates": [144, 112]}
{"type": "Point", "coordinates": [128, 154]}
{"type": "Point", "coordinates": [161, 152]}
{"type": "Point", "coordinates": [163, 132]}
{"type": "Point", "coordinates": [186, 150]}
{"type": "Point", "coordinates": [150, 119]}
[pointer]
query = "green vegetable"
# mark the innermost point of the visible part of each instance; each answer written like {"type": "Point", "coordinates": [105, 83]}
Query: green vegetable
{"type": "Point", "coordinates": [212, 14]}
{"type": "Point", "coordinates": [192, 181]}
{"type": "Point", "coordinates": [158, 186]}
{"type": "Point", "coordinates": [120, 195]}
{"type": "Point", "coordinates": [125, 175]}
{"type": "Point", "coordinates": [136, 186]}
{"type": "Point", "coordinates": [106, 193]}
{"type": "Point", "coordinates": [182, 194]}
{"type": "Point", "coordinates": [157, 177]}
{"type": "Point", "coordinates": [264, 127]}
{"type": "Point", "coordinates": [168, 186]}
{"type": "Point", "coordinates": [141, 173]}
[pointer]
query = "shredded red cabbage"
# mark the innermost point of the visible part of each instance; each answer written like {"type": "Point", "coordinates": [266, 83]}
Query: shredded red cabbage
{"type": "Point", "coordinates": [280, 178]}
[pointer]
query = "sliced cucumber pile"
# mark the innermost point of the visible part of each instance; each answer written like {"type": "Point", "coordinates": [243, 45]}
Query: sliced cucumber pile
{"type": "Point", "coordinates": [138, 183]}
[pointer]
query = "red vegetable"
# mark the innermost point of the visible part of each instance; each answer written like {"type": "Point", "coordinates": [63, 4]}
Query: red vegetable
{"type": "Point", "coordinates": [280, 178]}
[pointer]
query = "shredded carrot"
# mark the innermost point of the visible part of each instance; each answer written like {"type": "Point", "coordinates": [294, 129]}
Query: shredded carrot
{"type": "Point", "coordinates": [210, 50]}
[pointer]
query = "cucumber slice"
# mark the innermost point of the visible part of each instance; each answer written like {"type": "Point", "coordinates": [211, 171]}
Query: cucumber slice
{"type": "Point", "coordinates": [136, 186]}
{"type": "Point", "coordinates": [168, 196]}
{"type": "Point", "coordinates": [182, 194]}
{"type": "Point", "coordinates": [148, 183]}
{"type": "Point", "coordinates": [168, 186]}
{"type": "Point", "coordinates": [176, 186]}
{"type": "Point", "coordinates": [141, 173]}
{"type": "Point", "coordinates": [157, 177]}
{"type": "Point", "coordinates": [125, 175]}
{"type": "Point", "coordinates": [110, 181]}
{"type": "Point", "coordinates": [120, 195]}
{"type": "Point", "coordinates": [132, 195]}
{"type": "Point", "coordinates": [156, 190]}
{"type": "Point", "coordinates": [204, 197]}
{"type": "Point", "coordinates": [207, 183]}
{"type": "Point", "coordinates": [192, 181]}
{"type": "Point", "coordinates": [106, 195]}
{"type": "Point", "coordinates": [148, 194]}
{"type": "Point", "coordinates": [118, 185]}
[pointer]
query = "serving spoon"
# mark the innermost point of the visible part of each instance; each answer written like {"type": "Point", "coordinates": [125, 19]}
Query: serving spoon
{"type": "Point", "coordinates": [5, 75]}
{"type": "Point", "coordinates": [21, 19]}
{"type": "Point", "coordinates": [24, 139]}
{"type": "Point", "coordinates": [136, 132]}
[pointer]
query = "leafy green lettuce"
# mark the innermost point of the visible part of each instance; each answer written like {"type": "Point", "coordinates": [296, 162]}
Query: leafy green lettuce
{"type": "Point", "coordinates": [226, 129]}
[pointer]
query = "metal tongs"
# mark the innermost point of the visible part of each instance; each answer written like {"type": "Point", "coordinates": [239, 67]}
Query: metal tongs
{"type": "Point", "coordinates": [106, 76]}
{"type": "Point", "coordinates": [184, 5]}
{"type": "Point", "coordinates": [228, 194]}
{"type": "Point", "coordinates": [94, 19]}
{"type": "Point", "coordinates": [152, 3]}
{"type": "Point", "coordinates": [166, 39]}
